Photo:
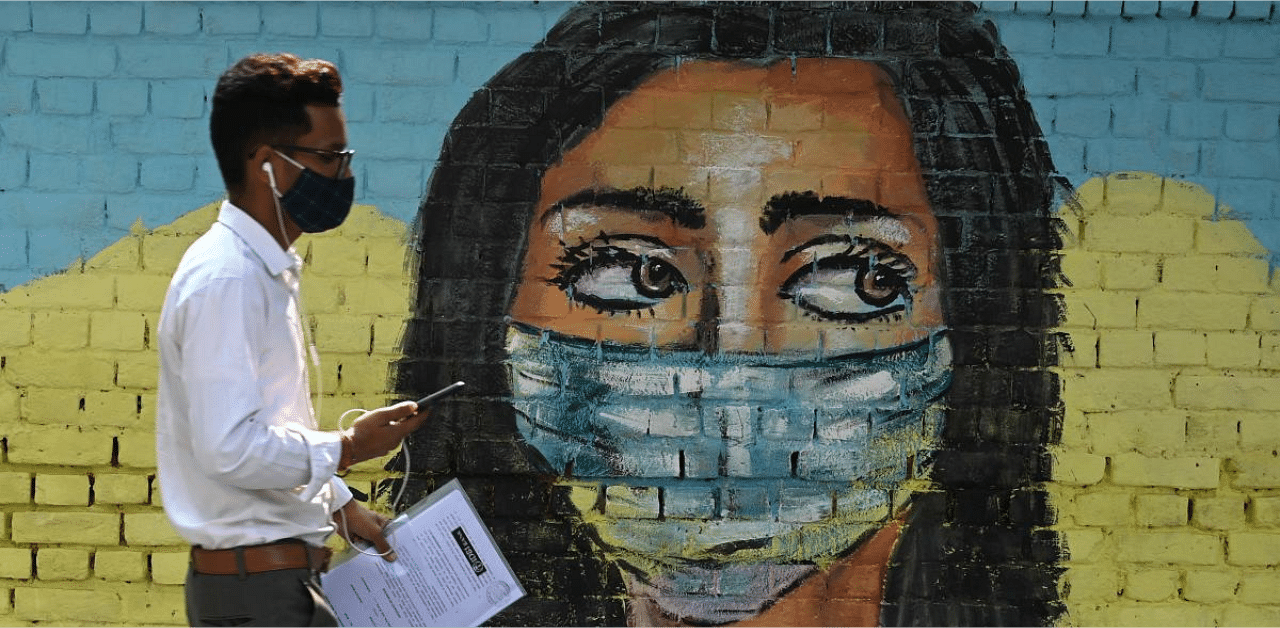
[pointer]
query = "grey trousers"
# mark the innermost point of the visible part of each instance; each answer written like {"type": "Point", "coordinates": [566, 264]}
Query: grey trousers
{"type": "Point", "coordinates": [290, 597]}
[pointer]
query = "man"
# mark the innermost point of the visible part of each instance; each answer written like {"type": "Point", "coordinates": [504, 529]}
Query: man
{"type": "Point", "coordinates": [246, 475]}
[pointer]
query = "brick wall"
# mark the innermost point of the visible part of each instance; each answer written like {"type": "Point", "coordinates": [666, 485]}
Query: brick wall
{"type": "Point", "coordinates": [1165, 474]}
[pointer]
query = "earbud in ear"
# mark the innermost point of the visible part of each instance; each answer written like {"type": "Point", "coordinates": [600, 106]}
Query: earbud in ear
{"type": "Point", "coordinates": [266, 166]}
{"type": "Point", "coordinates": [271, 173]}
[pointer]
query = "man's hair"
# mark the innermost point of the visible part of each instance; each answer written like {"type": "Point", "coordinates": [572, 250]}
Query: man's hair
{"type": "Point", "coordinates": [262, 99]}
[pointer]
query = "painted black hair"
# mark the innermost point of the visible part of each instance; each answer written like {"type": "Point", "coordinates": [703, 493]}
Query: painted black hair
{"type": "Point", "coordinates": [977, 549]}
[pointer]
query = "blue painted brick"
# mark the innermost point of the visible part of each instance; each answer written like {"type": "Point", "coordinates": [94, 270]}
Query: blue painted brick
{"type": "Point", "coordinates": [516, 26]}
{"type": "Point", "coordinates": [1083, 117]}
{"type": "Point", "coordinates": [1252, 122]}
{"type": "Point", "coordinates": [1215, 10]}
{"type": "Point", "coordinates": [1196, 120]}
{"type": "Point", "coordinates": [208, 177]}
{"type": "Point", "coordinates": [16, 95]}
{"type": "Point", "coordinates": [1081, 77]}
{"type": "Point", "coordinates": [1247, 197]}
{"type": "Point", "coordinates": [169, 173]}
{"type": "Point", "coordinates": [1034, 7]}
{"type": "Point", "coordinates": [386, 140]}
{"type": "Point", "coordinates": [358, 103]}
{"type": "Point", "coordinates": [459, 24]}
{"type": "Point", "coordinates": [111, 173]}
{"type": "Point", "coordinates": [169, 61]}
{"type": "Point", "coordinates": [1026, 35]}
{"type": "Point", "coordinates": [306, 49]}
{"type": "Point", "coordinates": [1248, 160]}
{"type": "Point", "coordinates": [1249, 40]}
{"type": "Point", "coordinates": [15, 17]}
{"type": "Point", "coordinates": [64, 58]}
{"type": "Point", "coordinates": [998, 6]}
{"type": "Point", "coordinates": [476, 65]}
{"type": "Point", "coordinates": [51, 133]}
{"type": "Point", "coordinates": [346, 20]}
{"type": "Point", "coordinates": [59, 18]}
{"type": "Point", "coordinates": [13, 169]}
{"type": "Point", "coordinates": [1103, 8]}
{"type": "Point", "coordinates": [1180, 9]}
{"type": "Point", "coordinates": [152, 209]}
{"type": "Point", "coordinates": [115, 18]}
{"type": "Point", "coordinates": [412, 104]}
{"type": "Point", "coordinates": [399, 66]}
{"type": "Point", "coordinates": [393, 179]}
{"type": "Point", "coordinates": [1196, 40]}
{"type": "Point", "coordinates": [1170, 80]}
{"type": "Point", "coordinates": [149, 136]}
{"type": "Point", "coordinates": [292, 19]}
{"type": "Point", "coordinates": [53, 250]}
{"type": "Point", "coordinates": [10, 279]}
{"type": "Point", "coordinates": [178, 99]}
{"type": "Point", "coordinates": [1140, 8]}
{"type": "Point", "coordinates": [1139, 118]}
{"type": "Point", "coordinates": [231, 18]}
{"type": "Point", "coordinates": [1139, 39]}
{"type": "Point", "coordinates": [1252, 11]}
{"type": "Point", "coordinates": [1245, 82]}
{"type": "Point", "coordinates": [172, 18]}
{"type": "Point", "coordinates": [1068, 156]}
{"type": "Point", "coordinates": [67, 96]}
{"type": "Point", "coordinates": [404, 21]}
{"type": "Point", "coordinates": [13, 249]}
{"type": "Point", "coordinates": [1153, 155]}
{"type": "Point", "coordinates": [122, 97]}
{"type": "Point", "coordinates": [1082, 37]}
{"type": "Point", "coordinates": [55, 172]}
{"type": "Point", "coordinates": [1068, 8]}
{"type": "Point", "coordinates": [53, 210]}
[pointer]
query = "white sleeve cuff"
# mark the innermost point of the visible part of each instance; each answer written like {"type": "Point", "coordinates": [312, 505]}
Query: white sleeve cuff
{"type": "Point", "coordinates": [341, 494]}
{"type": "Point", "coordinates": [326, 453]}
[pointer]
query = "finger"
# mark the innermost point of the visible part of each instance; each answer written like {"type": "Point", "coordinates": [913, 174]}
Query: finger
{"type": "Point", "coordinates": [412, 423]}
{"type": "Point", "coordinates": [382, 544]}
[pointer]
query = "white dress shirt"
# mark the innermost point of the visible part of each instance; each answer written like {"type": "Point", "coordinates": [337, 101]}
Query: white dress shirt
{"type": "Point", "coordinates": [240, 459]}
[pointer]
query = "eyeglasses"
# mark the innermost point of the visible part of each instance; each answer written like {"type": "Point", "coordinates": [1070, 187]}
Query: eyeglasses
{"type": "Point", "coordinates": [341, 157]}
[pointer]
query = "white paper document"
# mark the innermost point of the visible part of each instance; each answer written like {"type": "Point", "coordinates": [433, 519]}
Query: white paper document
{"type": "Point", "coordinates": [448, 571]}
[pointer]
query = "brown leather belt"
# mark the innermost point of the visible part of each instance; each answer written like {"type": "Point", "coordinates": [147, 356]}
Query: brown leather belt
{"type": "Point", "coordinates": [248, 559]}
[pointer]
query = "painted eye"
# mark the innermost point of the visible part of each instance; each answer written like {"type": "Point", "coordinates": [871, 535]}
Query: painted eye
{"type": "Point", "coordinates": [854, 286]}
{"type": "Point", "coordinates": [619, 278]}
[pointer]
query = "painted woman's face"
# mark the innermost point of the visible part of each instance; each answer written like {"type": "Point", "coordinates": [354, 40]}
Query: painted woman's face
{"type": "Point", "coordinates": [776, 210]}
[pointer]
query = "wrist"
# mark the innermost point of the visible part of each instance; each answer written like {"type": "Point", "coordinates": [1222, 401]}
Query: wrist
{"type": "Point", "coordinates": [348, 456]}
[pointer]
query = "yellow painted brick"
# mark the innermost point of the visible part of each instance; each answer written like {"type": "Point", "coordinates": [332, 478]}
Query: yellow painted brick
{"type": "Point", "coordinates": [1270, 351]}
{"type": "Point", "coordinates": [322, 294]}
{"type": "Point", "coordinates": [90, 528]}
{"type": "Point", "coordinates": [138, 371]}
{"type": "Point", "coordinates": [10, 403]}
{"type": "Point", "coordinates": [364, 375]}
{"type": "Point", "coordinates": [1186, 310]}
{"type": "Point", "coordinates": [118, 331]}
{"type": "Point", "coordinates": [1213, 432]}
{"type": "Point", "coordinates": [1187, 473]}
{"type": "Point", "coordinates": [1256, 470]}
{"type": "Point", "coordinates": [1224, 392]}
{"type": "Point", "coordinates": [62, 490]}
{"type": "Point", "coordinates": [1160, 510]}
{"type": "Point", "coordinates": [1181, 348]}
{"type": "Point", "coordinates": [1185, 198]}
{"type": "Point", "coordinates": [1227, 236]}
{"type": "Point", "coordinates": [373, 296]}
{"type": "Point", "coordinates": [1083, 351]}
{"type": "Point", "coordinates": [336, 333]}
{"type": "Point", "coordinates": [1258, 430]}
{"type": "Point", "coordinates": [1146, 234]}
{"type": "Point", "coordinates": [119, 488]}
{"type": "Point", "coordinates": [336, 257]}
{"type": "Point", "coordinates": [15, 563]}
{"type": "Point", "coordinates": [1075, 430]}
{"type": "Point", "coordinates": [1210, 586]}
{"type": "Point", "coordinates": [113, 407]}
{"type": "Point", "coordinates": [1117, 389]}
{"type": "Point", "coordinates": [1083, 269]}
{"type": "Point", "coordinates": [1125, 348]}
{"type": "Point", "coordinates": [65, 445]}
{"type": "Point", "coordinates": [1264, 314]}
{"type": "Point", "coordinates": [1243, 274]}
{"type": "Point", "coordinates": [1078, 468]}
{"type": "Point", "coordinates": [1092, 584]}
{"type": "Point", "coordinates": [1132, 193]}
{"type": "Point", "coordinates": [124, 254]}
{"type": "Point", "coordinates": [120, 565]}
{"type": "Point", "coordinates": [142, 292]}
{"type": "Point", "coordinates": [1265, 510]}
{"type": "Point", "coordinates": [1156, 614]}
{"type": "Point", "coordinates": [1249, 615]}
{"type": "Point", "coordinates": [387, 333]}
{"type": "Point", "coordinates": [1175, 548]}
{"type": "Point", "coordinates": [1103, 508]}
{"type": "Point", "coordinates": [1095, 309]}
{"type": "Point", "coordinates": [15, 328]}
{"type": "Point", "coordinates": [60, 331]}
{"type": "Point", "coordinates": [49, 605]}
{"type": "Point", "coordinates": [1215, 273]}
{"type": "Point", "coordinates": [50, 405]}
{"type": "Point", "coordinates": [70, 290]}
{"type": "Point", "coordinates": [1253, 549]}
{"type": "Point", "coordinates": [366, 221]}
{"type": "Point", "coordinates": [149, 528]}
{"type": "Point", "coordinates": [1130, 271]}
{"type": "Point", "coordinates": [388, 257]}
{"type": "Point", "coordinates": [1085, 545]}
{"type": "Point", "coordinates": [1151, 585]}
{"type": "Point", "coordinates": [59, 369]}
{"type": "Point", "coordinates": [137, 449]}
{"type": "Point", "coordinates": [163, 251]}
{"type": "Point", "coordinates": [15, 487]}
{"type": "Point", "coordinates": [169, 567]}
{"type": "Point", "coordinates": [1259, 587]}
{"type": "Point", "coordinates": [1234, 349]}
{"type": "Point", "coordinates": [1150, 432]}
{"type": "Point", "coordinates": [55, 563]}
{"type": "Point", "coordinates": [1218, 513]}
{"type": "Point", "coordinates": [631, 502]}
{"type": "Point", "coordinates": [156, 604]}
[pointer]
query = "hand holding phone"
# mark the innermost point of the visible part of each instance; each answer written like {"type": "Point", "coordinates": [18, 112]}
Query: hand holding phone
{"type": "Point", "coordinates": [439, 394]}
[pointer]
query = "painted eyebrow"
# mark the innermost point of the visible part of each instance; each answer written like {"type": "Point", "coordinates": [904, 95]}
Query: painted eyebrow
{"type": "Point", "coordinates": [673, 203]}
{"type": "Point", "coordinates": [791, 205]}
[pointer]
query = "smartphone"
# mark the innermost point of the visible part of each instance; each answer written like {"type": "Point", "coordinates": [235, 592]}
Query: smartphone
{"type": "Point", "coordinates": [443, 392]}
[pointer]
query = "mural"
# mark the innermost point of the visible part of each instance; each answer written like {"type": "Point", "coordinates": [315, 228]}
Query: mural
{"type": "Point", "coordinates": [759, 321]}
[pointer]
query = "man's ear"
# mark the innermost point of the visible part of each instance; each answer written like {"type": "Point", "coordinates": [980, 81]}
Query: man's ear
{"type": "Point", "coordinates": [259, 162]}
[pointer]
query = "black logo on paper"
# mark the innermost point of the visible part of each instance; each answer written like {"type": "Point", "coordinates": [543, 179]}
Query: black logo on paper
{"type": "Point", "coordinates": [464, 544]}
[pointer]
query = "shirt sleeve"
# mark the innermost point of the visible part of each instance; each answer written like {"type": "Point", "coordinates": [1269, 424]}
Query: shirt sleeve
{"type": "Point", "coordinates": [222, 333]}
{"type": "Point", "coordinates": [341, 494]}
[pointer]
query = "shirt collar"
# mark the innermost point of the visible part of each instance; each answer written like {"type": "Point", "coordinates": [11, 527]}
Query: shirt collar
{"type": "Point", "coordinates": [263, 244]}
